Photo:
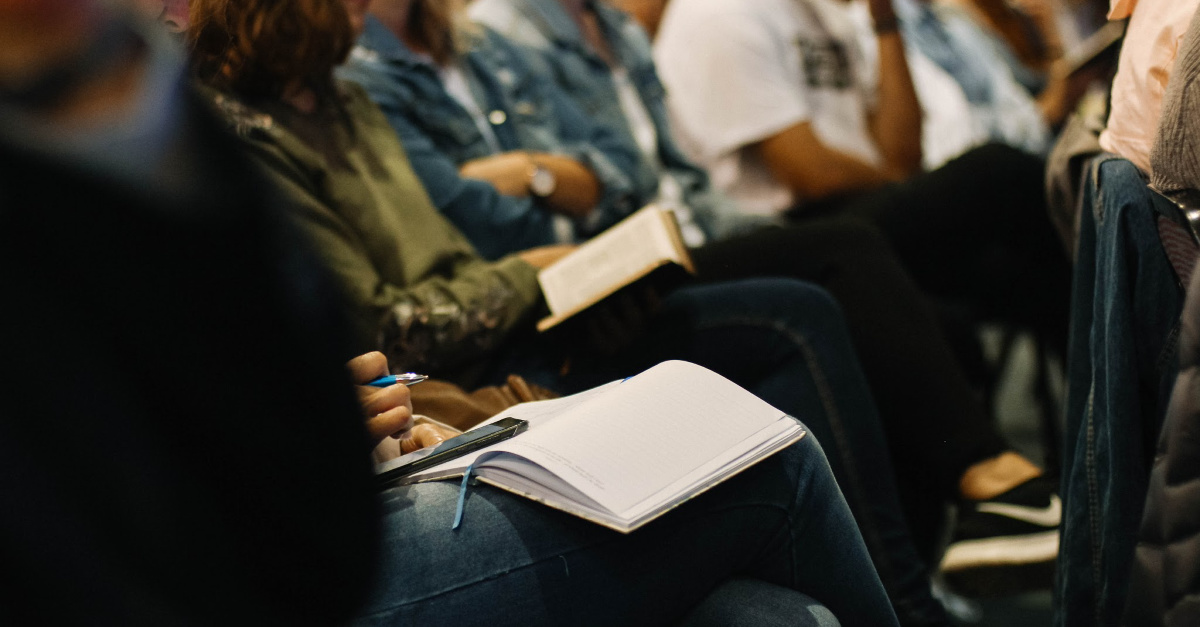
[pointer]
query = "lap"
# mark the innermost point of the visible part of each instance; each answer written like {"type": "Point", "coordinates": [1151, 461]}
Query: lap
{"type": "Point", "coordinates": [517, 562]}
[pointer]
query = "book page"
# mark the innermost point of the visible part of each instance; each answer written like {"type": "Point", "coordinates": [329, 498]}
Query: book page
{"type": "Point", "coordinates": [535, 413]}
{"type": "Point", "coordinates": [625, 251]}
{"type": "Point", "coordinates": [648, 433]}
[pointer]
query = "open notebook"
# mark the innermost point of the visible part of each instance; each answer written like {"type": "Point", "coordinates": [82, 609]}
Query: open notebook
{"type": "Point", "coordinates": [623, 454]}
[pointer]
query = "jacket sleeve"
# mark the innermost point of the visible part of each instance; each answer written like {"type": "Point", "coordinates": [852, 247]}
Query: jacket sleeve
{"type": "Point", "coordinates": [610, 158]}
{"type": "Point", "coordinates": [604, 150]}
{"type": "Point", "coordinates": [434, 325]}
{"type": "Point", "coordinates": [495, 224]}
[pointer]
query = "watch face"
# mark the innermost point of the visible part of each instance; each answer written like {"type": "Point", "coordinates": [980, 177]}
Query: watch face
{"type": "Point", "coordinates": [542, 183]}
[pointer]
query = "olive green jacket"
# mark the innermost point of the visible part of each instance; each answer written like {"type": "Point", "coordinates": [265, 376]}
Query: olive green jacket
{"type": "Point", "coordinates": [420, 291]}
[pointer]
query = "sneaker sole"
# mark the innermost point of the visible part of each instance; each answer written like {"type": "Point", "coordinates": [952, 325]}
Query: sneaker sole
{"type": "Point", "coordinates": [1007, 551]}
{"type": "Point", "coordinates": [1001, 581]}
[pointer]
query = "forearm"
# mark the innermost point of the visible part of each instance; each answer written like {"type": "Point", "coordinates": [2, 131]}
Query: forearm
{"type": "Point", "coordinates": [576, 190]}
{"type": "Point", "coordinates": [896, 123]}
{"type": "Point", "coordinates": [797, 158]}
{"type": "Point", "coordinates": [441, 324]}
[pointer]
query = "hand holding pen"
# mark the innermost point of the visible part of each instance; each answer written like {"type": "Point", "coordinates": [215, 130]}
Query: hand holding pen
{"type": "Point", "coordinates": [407, 378]}
{"type": "Point", "coordinates": [386, 406]}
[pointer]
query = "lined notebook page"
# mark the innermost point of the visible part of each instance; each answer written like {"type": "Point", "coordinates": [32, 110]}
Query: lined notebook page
{"type": "Point", "coordinates": [535, 413]}
{"type": "Point", "coordinates": [612, 451]}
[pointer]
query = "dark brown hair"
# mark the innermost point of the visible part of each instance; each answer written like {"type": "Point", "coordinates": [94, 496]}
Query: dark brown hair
{"type": "Point", "coordinates": [261, 48]}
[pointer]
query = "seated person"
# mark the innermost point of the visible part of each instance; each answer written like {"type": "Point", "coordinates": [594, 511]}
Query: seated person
{"type": "Point", "coordinates": [240, 493]}
{"type": "Point", "coordinates": [179, 442]}
{"type": "Point", "coordinates": [1029, 30]}
{"type": "Point", "coordinates": [938, 431]}
{"type": "Point", "coordinates": [555, 159]}
{"type": "Point", "coordinates": [445, 310]}
{"type": "Point", "coordinates": [804, 126]}
{"type": "Point", "coordinates": [1124, 325]}
{"type": "Point", "coordinates": [968, 91]}
{"type": "Point", "coordinates": [729, 554]}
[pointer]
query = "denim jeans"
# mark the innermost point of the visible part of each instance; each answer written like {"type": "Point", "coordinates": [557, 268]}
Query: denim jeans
{"type": "Point", "coordinates": [515, 562]}
{"type": "Point", "coordinates": [1125, 308]}
{"type": "Point", "coordinates": [785, 341]}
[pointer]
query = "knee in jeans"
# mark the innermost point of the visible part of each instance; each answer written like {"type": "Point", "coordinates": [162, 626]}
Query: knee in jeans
{"type": "Point", "coordinates": [794, 300]}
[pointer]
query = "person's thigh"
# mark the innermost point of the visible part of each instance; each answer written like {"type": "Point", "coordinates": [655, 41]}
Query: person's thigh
{"type": "Point", "coordinates": [516, 562]}
{"type": "Point", "coordinates": [976, 231]}
{"type": "Point", "coordinates": [753, 603]}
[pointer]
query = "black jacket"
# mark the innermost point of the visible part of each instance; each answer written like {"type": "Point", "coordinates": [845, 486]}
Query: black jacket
{"type": "Point", "coordinates": [1164, 584]}
{"type": "Point", "coordinates": [178, 441]}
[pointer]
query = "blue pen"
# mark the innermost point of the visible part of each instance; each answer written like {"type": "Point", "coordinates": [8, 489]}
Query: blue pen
{"type": "Point", "coordinates": [407, 378]}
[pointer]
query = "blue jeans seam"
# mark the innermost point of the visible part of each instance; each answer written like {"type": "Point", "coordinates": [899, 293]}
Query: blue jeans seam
{"type": "Point", "coordinates": [828, 400]}
{"type": "Point", "coordinates": [557, 555]}
{"type": "Point", "coordinates": [1093, 489]}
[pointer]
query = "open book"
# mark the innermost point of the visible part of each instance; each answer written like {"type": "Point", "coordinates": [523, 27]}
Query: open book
{"type": "Point", "coordinates": [627, 252]}
{"type": "Point", "coordinates": [625, 453]}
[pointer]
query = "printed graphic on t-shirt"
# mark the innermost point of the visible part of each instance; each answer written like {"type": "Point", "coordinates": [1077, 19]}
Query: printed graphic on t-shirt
{"type": "Point", "coordinates": [826, 63]}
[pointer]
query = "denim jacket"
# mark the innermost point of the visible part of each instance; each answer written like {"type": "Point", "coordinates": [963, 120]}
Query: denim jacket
{"type": "Point", "coordinates": [525, 112]}
{"type": "Point", "coordinates": [545, 26]}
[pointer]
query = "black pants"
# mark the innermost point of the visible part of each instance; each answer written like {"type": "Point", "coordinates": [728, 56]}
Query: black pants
{"type": "Point", "coordinates": [974, 231]}
{"type": "Point", "coordinates": [935, 423]}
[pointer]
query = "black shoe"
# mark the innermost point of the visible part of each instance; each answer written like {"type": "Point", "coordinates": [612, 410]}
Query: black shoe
{"type": "Point", "coordinates": [1006, 544]}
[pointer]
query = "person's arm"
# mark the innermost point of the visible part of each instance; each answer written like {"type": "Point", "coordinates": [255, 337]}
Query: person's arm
{"type": "Point", "coordinates": [896, 120]}
{"type": "Point", "coordinates": [763, 105]}
{"type": "Point", "coordinates": [575, 193]}
{"type": "Point", "coordinates": [606, 151]}
{"type": "Point", "coordinates": [496, 224]}
{"type": "Point", "coordinates": [440, 322]}
{"type": "Point", "coordinates": [800, 160]}
{"type": "Point", "coordinates": [585, 150]}
{"type": "Point", "coordinates": [389, 411]}
{"type": "Point", "coordinates": [1028, 27]}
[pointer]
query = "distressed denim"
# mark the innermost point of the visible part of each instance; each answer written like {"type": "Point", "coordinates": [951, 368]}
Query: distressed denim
{"type": "Point", "coordinates": [782, 523]}
{"type": "Point", "coordinates": [545, 27]}
{"type": "Point", "coordinates": [525, 113]}
{"type": "Point", "coordinates": [1125, 309]}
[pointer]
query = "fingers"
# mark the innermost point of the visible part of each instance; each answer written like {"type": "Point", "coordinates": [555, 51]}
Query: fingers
{"type": "Point", "coordinates": [378, 400]}
{"type": "Point", "coordinates": [422, 436]}
{"type": "Point", "coordinates": [388, 410]}
{"type": "Point", "coordinates": [368, 367]}
{"type": "Point", "coordinates": [396, 421]}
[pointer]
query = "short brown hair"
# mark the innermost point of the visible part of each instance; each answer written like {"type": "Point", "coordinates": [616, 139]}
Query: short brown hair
{"type": "Point", "coordinates": [260, 48]}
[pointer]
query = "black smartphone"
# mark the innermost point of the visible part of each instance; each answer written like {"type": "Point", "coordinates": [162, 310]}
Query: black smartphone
{"type": "Point", "coordinates": [457, 446]}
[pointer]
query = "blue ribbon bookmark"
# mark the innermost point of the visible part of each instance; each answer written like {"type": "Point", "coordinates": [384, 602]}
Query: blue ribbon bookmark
{"type": "Point", "coordinates": [462, 495]}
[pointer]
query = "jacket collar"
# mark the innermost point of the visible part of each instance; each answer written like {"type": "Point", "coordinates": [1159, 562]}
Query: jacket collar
{"type": "Point", "coordinates": [379, 41]}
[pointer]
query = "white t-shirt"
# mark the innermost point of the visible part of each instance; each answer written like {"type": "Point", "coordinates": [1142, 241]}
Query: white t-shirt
{"type": "Point", "coordinates": [740, 71]}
